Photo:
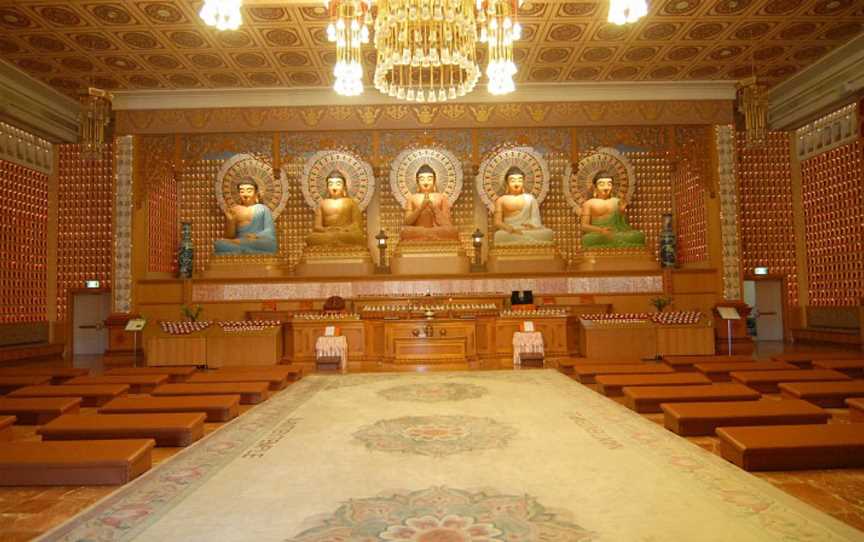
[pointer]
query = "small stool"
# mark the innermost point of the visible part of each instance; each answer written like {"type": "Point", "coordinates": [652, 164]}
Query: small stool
{"type": "Point", "coordinates": [331, 353]}
{"type": "Point", "coordinates": [528, 349]}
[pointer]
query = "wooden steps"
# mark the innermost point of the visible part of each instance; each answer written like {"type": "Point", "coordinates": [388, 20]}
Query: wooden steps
{"type": "Point", "coordinates": [686, 363]}
{"type": "Point", "coordinates": [719, 372]}
{"type": "Point", "coordinates": [767, 381]}
{"type": "Point", "coordinates": [171, 429]}
{"type": "Point", "coordinates": [856, 410]}
{"type": "Point", "coordinates": [92, 396]}
{"type": "Point", "coordinates": [38, 410]}
{"type": "Point", "coordinates": [10, 383]}
{"type": "Point", "coordinates": [851, 367]}
{"type": "Point", "coordinates": [74, 463]}
{"type": "Point", "coordinates": [650, 398]}
{"type": "Point", "coordinates": [218, 408]}
{"type": "Point", "coordinates": [612, 385]}
{"type": "Point", "coordinates": [251, 393]}
{"type": "Point", "coordinates": [6, 423]}
{"type": "Point", "coordinates": [824, 394]}
{"type": "Point", "coordinates": [793, 447]}
{"type": "Point", "coordinates": [692, 419]}
{"type": "Point", "coordinates": [176, 374]}
{"type": "Point", "coordinates": [58, 374]}
{"type": "Point", "coordinates": [275, 382]}
{"type": "Point", "coordinates": [587, 373]}
{"type": "Point", "coordinates": [136, 383]}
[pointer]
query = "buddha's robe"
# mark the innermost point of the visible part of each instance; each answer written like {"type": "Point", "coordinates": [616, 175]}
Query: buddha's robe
{"type": "Point", "coordinates": [432, 224]}
{"type": "Point", "coordinates": [622, 235]}
{"type": "Point", "coordinates": [534, 234]}
{"type": "Point", "coordinates": [343, 228]}
{"type": "Point", "coordinates": [261, 226]}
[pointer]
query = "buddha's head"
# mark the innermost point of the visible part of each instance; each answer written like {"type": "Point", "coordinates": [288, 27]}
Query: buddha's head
{"type": "Point", "coordinates": [515, 180]}
{"type": "Point", "coordinates": [603, 185]}
{"type": "Point", "coordinates": [426, 179]}
{"type": "Point", "coordinates": [247, 190]}
{"type": "Point", "coordinates": [337, 185]}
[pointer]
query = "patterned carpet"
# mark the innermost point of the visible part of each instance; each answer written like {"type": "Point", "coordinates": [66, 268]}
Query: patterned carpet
{"type": "Point", "coordinates": [448, 457]}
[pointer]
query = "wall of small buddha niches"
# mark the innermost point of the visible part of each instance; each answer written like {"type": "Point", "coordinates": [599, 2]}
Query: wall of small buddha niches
{"type": "Point", "coordinates": [23, 246]}
{"type": "Point", "coordinates": [652, 151]}
{"type": "Point", "coordinates": [833, 194]}
{"type": "Point", "coordinates": [85, 238]}
{"type": "Point", "coordinates": [163, 203]}
{"type": "Point", "coordinates": [767, 228]}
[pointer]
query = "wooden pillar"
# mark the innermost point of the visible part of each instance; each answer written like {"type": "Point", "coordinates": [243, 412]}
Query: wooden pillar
{"type": "Point", "coordinates": [799, 228]}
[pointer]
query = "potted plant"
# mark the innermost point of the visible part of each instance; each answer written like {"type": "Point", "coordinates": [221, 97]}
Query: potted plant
{"type": "Point", "coordinates": [661, 302]}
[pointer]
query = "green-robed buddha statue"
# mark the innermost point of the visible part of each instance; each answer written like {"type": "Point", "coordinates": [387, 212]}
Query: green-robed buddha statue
{"type": "Point", "coordinates": [604, 224]}
{"type": "Point", "coordinates": [337, 218]}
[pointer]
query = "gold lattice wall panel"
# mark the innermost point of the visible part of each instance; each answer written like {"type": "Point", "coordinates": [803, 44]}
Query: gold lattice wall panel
{"type": "Point", "coordinates": [163, 220]}
{"type": "Point", "coordinates": [85, 238]}
{"type": "Point", "coordinates": [767, 226]}
{"type": "Point", "coordinates": [834, 225]}
{"type": "Point", "coordinates": [23, 249]}
{"type": "Point", "coordinates": [691, 221]}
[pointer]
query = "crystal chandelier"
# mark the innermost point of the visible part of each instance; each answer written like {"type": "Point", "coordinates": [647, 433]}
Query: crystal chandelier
{"type": "Point", "coordinates": [426, 49]}
{"type": "Point", "coordinates": [499, 28]}
{"type": "Point", "coordinates": [753, 105]}
{"type": "Point", "coordinates": [223, 14]}
{"type": "Point", "coordinates": [94, 119]}
{"type": "Point", "coordinates": [626, 11]}
{"type": "Point", "coordinates": [349, 30]}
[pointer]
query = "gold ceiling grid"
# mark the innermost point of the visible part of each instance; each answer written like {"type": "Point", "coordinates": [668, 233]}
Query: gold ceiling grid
{"type": "Point", "coordinates": [144, 44]}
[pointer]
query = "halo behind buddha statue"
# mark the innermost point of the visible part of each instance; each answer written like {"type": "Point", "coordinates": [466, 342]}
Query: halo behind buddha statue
{"type": "Point", "coordinates": [491, 179]}
{"type": "Point", "coordinates": [357, 172]}
{"type": "Point", "coordinates": [579, 185]}
{"type": "Point", "coordinates": [447, 168]}
{"type": "Point", "coordinates": [272, 191]}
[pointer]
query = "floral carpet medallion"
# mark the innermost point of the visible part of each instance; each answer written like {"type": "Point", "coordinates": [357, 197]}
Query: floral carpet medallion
{"type": "Point", "coordinates": [434, 392]}
{"type": "Point", "coordinates": [435, 435]}
{"type": "Point", "coordinates": [443, 514]}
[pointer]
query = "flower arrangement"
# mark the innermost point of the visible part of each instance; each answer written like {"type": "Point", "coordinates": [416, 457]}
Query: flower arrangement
{"type": "Point", "coordinates": [661, 302]}
{"type": "Point", "coordinates": [191, 313]}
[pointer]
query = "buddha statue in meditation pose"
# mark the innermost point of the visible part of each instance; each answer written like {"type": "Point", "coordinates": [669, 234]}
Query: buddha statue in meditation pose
{"type": "Point", "coordinates": [603, 222]}
{"type": "Point", "coordinates": [517, 215]}
{"type": "Point", "coordinates": [337, 218]}
{"type": "Point", "coordinates": [249, 227]}
{"type": "Point", "coordinates": [427, 212]}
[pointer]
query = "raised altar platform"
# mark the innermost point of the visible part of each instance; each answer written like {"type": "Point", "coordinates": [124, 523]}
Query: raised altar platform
{"type": "Point", "coordinates": [614, 260]}
{"type": "Point", "coordinates": [245, 266]}
{"type": "Point", "coordinates": [430, 257]}
{"type": "Point", "coordinates": [525, 259]}
{"type": "Point", "coordinates": [324, 262]}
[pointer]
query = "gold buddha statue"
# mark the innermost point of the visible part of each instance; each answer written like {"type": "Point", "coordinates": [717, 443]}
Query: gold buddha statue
{"type": "Point", "coordinates": [337, 218]}
{"type": "Point", "coordinates": [427, 212]}
{"type": "Point", "coordinates": [517, 215]}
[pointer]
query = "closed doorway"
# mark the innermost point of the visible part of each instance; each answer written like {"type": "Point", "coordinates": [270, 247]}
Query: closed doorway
{"type": "Point", "coordinates": [90, 309]}
{"type": "Point", "coordinates": [765, 296]}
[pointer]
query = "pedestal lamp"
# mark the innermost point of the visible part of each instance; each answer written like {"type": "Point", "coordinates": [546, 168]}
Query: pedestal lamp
{"type": "Point", "coordinates": [382, 266]}
{"type": "Point", "coordinates": [477, 241]}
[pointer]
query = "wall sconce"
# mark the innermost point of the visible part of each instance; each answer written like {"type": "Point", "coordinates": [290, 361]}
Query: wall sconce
{"type": "Point", "coordinates": [477, 241]}
{"type": "Point", "coordinates": [381, 241]}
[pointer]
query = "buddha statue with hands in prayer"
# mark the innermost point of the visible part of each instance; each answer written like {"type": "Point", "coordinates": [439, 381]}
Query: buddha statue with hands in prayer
{"type": "Point", "coordinates": [517, 215]}
{"type": "Point", "coordinates": [249, 227]}
{"type": "Point", "coordinates": [337, 218]}
{"type": "Point", "coordinates": [604, 224]}
{"type": "Point", "coordinates": [427, 212]}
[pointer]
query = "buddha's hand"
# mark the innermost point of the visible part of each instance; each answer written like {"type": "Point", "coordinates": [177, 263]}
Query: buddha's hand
{"type": "Point", "coordinates": [529, 226]}
{"type": "Point", "coordinates": [513, 229]}
{"type": "Point", "coordinates": [235, 241]}
{"type": "Point", "coordinates": [606, 232]}
{"type": "Point", "coordinates": [251, 236]}
{"type": "Point", "coordinates": [229, 214]}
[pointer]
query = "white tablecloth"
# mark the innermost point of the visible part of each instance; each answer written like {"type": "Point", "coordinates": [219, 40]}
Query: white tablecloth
{"type": "Point", "coordinates": [333, 346]}
{"type": "Point", "coordinates": [524, 343]}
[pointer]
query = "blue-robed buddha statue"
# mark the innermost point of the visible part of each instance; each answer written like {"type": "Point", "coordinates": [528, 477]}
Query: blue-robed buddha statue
{"type": "Point", "coordinates": [249, 227]}
{"type": "Point", "coordinates": [604, 224]}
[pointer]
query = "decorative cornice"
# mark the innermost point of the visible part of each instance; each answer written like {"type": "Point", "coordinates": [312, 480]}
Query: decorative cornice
{"type": "Point", "coordinates": [833, 81]}
{"type": "Point", "coordinates": [322, 97]}
{"type": "Point", "coordinates": [36, 107]}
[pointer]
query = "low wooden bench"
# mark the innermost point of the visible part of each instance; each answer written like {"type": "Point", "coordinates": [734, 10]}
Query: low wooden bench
{"type": "Point", "coordinates": [74, 463]}
{"type": "Point", "coordinates": [612, 385]}
{"type": "Point", "coordinates": [856, 410]}
{"type": "Point", "coordinates": [824, 394]}
{"type": "Point", "coordinates": [586, 374]}
{"type": "Point", "coordinates": [719, 372]}
{"type": "Point", "coordinates": [91, 396]}
{"type": "Point", "coordinates": [170, 429]}
{"type": "Point", "coordinates": [275, 382]}
{"type": "Point", "coordinates": [767, 381]}
{"type": "Point", "coordinates": [805, 360]}
{"type": "Point", "coordinates": [686, 363]}
{"type": "Point", "coordinates": [793, 447]}
{"type": "Point", "coordinates": [647, 399]}
{"type": "Point", "coordinates": [6, 423]}
{"type": "Point", "coordinates": [567, 365]}
{"type": "Point", "coordinates": [176, 374]}
{"type": "Point", "coordinates": [38, 410]}
{"type": "Point", "coordinates": [851, 367]}
{"type": "Point", "coordinates": [692, 419]}
{"type": "Point", "coordinates": [218, 408]}
{"type": "Point", "coordinates": [9, 383]}
{"type": "Point", "coordinates": [58, 375]}
{"type": "Point", "coordinates": [136, 383]}
{"type": "Point", "coordinates": [290, 373]}
{"type": "Point", "coordinates": [251, 393]}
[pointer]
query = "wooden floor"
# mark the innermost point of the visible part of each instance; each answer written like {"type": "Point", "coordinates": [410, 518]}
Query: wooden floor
{"type": "Point", "coordinates": [25, 513]}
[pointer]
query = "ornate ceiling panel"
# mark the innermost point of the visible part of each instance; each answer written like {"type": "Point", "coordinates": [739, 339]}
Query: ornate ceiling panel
{"type": "Point", "coordinates": [143, 44]}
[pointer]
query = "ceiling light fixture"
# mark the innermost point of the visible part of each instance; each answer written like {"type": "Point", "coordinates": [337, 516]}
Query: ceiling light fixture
{"type": "Point", "coordinates": [223, 14]}
{"type": "Point", "coordinates": [753, 104]}
{"type": "Point", "coordinates": [626, 11]}
{"type": "Point", "coordinates": [499, 28]}
{"type": "Point", "coordinates": [94, 119]}
{"type": "Point", "coordinates": [349, 29]}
